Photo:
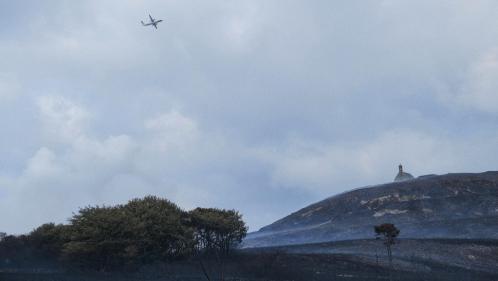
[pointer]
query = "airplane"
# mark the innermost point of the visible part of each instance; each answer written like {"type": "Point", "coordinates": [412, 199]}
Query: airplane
{"type": "Point", "coordinates": [152, 22]}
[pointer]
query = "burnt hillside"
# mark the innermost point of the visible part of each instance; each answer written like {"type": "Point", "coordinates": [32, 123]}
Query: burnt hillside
{"type": "Point", "coordinates": [461, 205]}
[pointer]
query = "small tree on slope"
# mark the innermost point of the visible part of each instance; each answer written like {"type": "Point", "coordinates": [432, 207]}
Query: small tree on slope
{"type": "Point", "coordinates": [388, 232]}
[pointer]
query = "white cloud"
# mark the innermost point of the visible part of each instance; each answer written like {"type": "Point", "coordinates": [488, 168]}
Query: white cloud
{"type": "Point", "coordinates": [174, 158]}
{"type": "Point", "coordinates": [243, 26]}
{"type": "Point", "coordinates": [62, 119]}
{"type": "Point", "coordinates": [83, 169]}
{"type": "Point", "coordinates": [173, 128]}
{"type": "Point", "coordinates": [62, 175]}
{"type": "Point", "coordinates": [480, 90]}
{"type": "Point", "coordinates": [331, 168]}
{"type": "Point", "coordinates": [43, 165]}
{"type": "Point", "coordinates": [10, 86]}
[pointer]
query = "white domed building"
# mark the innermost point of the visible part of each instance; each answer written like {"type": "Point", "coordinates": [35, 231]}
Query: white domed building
{"type": "Point", "coordinates": [402, 176]}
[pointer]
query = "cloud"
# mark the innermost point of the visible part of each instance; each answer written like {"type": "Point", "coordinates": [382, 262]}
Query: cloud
{"type": "Point", "coordinates": [480, 90]}
{"type": "Point", "coordinates": [65, 172]}
{"type": "Point", "coordinates": [63, 120]}
{"type": "Point", "coordinates": [174, 158]}
{"type": "Point", "coordinates": [173, 128]}
{"type": "Point", "coordinates": [10, 87]}
{"type": "Point", "coordinates": [262, 106]}
{"type": "Point", "coordinates": [42, 165]}
{"type": "Point", "coordinates": [76, 168]}
{"type": "Point", "coordinates": [330, 168]}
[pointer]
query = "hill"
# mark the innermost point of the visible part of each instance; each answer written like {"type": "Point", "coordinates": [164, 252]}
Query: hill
{"type": "Point", "coordinates": [463, 205]}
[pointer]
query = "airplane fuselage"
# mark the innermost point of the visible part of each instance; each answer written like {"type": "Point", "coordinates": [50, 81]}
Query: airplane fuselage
{"type": "Point", "coordinates": [152, 23]}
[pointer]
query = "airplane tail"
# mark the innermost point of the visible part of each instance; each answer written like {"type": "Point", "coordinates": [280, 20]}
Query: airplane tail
{"type": "Point", "coordinates": [142, 22]}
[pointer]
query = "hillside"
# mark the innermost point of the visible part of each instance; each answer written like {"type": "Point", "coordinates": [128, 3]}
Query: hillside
{"type": "Point", "coordinates": [461, 205]}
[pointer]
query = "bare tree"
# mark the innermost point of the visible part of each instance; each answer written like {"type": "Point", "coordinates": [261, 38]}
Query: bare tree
{"type": "Point", "coordinates": [388, 232]}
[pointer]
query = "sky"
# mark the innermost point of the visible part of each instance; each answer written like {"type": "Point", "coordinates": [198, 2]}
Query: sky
{"type": "Point", "coordinates": [259, 106]}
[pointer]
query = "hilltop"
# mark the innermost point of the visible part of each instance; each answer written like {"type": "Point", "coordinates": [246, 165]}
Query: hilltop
{"type": "Point", "coordinates": [459, 205]}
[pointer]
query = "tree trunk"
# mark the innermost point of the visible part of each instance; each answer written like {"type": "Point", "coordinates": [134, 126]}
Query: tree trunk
{"type": "Point", "coordinates": [389, 253]}
{"type": "Point", "coordinates": [204, 270]}
{"type": "Point", "coordinates": [222, 270]}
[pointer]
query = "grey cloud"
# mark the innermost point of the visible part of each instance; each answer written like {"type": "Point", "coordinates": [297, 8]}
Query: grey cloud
{"type": "Point", "coordinates": [263, 106]}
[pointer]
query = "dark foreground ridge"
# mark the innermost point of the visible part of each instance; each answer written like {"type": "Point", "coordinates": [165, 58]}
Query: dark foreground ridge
{"type": "Point", "coordinates": [463, 205]}
{"type": "Point", "coordinates": [354, 260]}
{"type": "Point", "coordinates": [410, 255]}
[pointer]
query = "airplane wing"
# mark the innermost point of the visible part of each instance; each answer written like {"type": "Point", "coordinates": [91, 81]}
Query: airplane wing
{"type": "Point", "coordinates": [155, 25]}
{"type": "Point", "coordinates": [151, 19]}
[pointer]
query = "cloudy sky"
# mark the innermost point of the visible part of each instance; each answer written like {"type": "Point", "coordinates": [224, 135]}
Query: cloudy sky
{"type": "Point", "coordinates": [262, 106]}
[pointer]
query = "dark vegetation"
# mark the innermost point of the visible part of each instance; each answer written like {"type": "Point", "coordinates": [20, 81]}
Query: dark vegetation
{"type": "Point", "coordinates": [126, 237]}
{"type": "Point", "coordinates": [388, 232]}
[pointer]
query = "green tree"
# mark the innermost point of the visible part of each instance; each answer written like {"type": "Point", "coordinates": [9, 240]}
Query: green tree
{"type": "Point", "coordinates": [48, 240]}
{"type": "Point", "coordinates": [158, 230]}
{"type": "Point", "coordinates": [142, 231]}
{"type": "Point", "coordinates": [98, 237]}
{"type": "Point", "coordinates": [15, 250]}
{"type": "Point", "coordinates": [145, 230]}
{"type": "Point", "coordinates": [217, 232]}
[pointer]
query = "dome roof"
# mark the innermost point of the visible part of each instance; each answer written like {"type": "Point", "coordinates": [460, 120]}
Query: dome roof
{"type": "Point", "coordinates": [402, 176]}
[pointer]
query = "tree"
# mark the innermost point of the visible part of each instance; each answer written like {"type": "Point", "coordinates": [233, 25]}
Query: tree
{"type": "Point", "coordinates": [41, 247]}
{"type": "Point", "coordinates": [217, 232]}
{"type": "Point", "coordinates": [388, 232]}
{"type": "Point", "coordinates": [15, 250]}
{"type": "Point", "coordinates": [48, 240]}
{"type": "Point", "coordinates": [158, 230]}
{"type": "Point", "coordinates": [143, 231]}
{"type": "Point", "coordinates": [98, 237]}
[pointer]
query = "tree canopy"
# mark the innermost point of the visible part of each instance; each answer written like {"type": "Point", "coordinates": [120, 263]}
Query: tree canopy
{"type": "Point", "coordinates": [217, 230]}
{"type": "Point", "coordinates": [142, 231]}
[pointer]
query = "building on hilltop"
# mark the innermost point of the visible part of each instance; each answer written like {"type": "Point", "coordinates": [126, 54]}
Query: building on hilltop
{"type": "Point", "coordinates": [402, 176]}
